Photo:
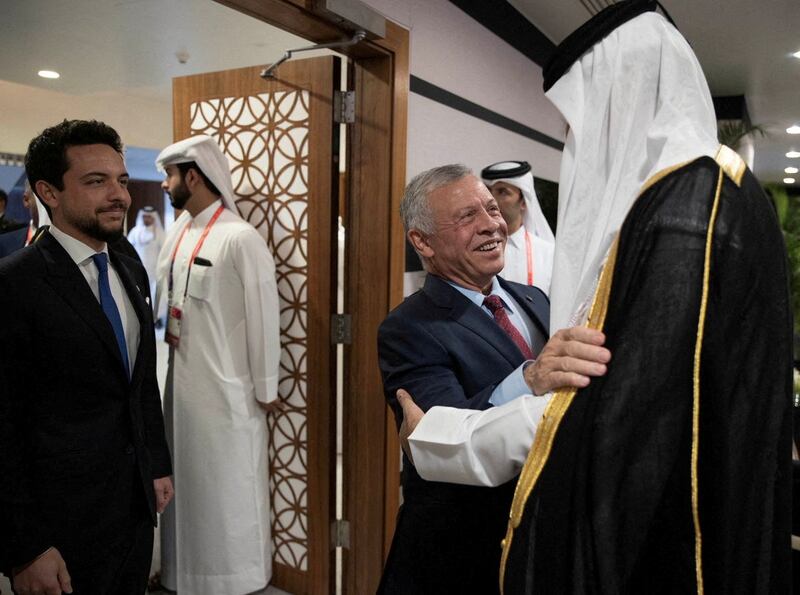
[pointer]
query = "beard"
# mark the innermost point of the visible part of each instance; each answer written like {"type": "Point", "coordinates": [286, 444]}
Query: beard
{"type": "Point", "coordinates": [179, 196]}
{"type": "Point", "coordinates": [91, 227]}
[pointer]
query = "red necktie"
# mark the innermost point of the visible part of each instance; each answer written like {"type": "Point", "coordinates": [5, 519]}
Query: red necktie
{"type": "Point", "coordinates": [495, 305]}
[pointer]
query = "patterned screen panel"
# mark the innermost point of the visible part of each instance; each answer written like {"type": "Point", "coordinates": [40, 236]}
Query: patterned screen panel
{"type": "Point", "coordinates": [265, 138]}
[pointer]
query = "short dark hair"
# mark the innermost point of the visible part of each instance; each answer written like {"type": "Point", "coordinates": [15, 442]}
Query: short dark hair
{"type": "Point", "coordinates": [46, 158]}
{"type": "Point", "coordinates": [185, 167]}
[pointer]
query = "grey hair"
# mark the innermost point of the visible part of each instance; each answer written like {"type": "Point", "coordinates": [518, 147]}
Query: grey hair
{"type": "Point", "coordinates": [415, 209]}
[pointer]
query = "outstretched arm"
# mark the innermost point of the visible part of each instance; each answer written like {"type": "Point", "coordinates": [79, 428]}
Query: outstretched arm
{"type": "Point", "coordinates": [485, 448]}
{"type": "Point", "coordinates": [489, 447]}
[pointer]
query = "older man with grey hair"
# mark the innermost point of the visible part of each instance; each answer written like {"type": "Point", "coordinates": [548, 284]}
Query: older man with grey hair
{"type": "Point", "coordinates": [467, 339]}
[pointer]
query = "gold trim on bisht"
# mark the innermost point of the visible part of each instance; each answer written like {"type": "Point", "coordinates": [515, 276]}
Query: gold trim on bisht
{"type": "Point", "coordinates": [553, 414]}
{"type": "Point", "coordinates": [698, 348]}
{"type": "Point", "coordinates": [731, 164]}
{"type": "Point", "coordinates": [660, 175]}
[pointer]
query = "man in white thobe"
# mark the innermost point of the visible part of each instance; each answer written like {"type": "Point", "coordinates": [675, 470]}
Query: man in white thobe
{"type": "Point", "coordinates": [530, 245]}
{"type": "Point", "coordinates": [147, 238]}
{"type": "Point", "coordinates": [223, 328]}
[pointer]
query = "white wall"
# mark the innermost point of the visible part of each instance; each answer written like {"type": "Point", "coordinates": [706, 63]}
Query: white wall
{"type": "Point", "coordinates": [453, 51]}
{"type": "Point", "coordinates": [140, 121]}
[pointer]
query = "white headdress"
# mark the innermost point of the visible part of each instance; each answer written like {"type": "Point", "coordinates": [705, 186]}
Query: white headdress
{"type": "Point", "coordinates": [518, 174]}
{"type": "Point", "coordinates": [153, 231]}
{"type": "Point", "coordinates": [204, 151]}
{"type": "Point", "coordinates": [636, 103]}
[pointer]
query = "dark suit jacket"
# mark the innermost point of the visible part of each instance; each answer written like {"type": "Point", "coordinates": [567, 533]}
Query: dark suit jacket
{"type": "Point", "coordinates": [11, 241]}
{"type": "Point", "coordinates": [80, 443]}
{"type": "Point", "coordinates": [445, 350]}
{"type": "Point", "coordinates": [7, 225]}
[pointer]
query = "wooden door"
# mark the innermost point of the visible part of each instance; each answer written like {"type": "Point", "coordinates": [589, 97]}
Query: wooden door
{"type": "Point", "coordinates": [282, 146]}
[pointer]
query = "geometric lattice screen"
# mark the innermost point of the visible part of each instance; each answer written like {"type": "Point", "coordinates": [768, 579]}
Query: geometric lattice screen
{"type": "Point", "coordinates": [265, 138]}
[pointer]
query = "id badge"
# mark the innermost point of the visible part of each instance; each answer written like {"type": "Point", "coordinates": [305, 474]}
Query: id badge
{"type": "Point", "coordinates": [173, 332]}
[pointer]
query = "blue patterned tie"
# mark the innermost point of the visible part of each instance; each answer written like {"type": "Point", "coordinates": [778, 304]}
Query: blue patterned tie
{"type": "Point", "coordinates": [110, 306]}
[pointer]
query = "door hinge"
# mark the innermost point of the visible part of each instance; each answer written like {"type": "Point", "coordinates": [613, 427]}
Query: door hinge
{"type": "Point", "coordinates": [340, 329]}
{"type": "Point", "coordinates": [344, 107]}
{"type": "Point", "coordinates": [340, 533]}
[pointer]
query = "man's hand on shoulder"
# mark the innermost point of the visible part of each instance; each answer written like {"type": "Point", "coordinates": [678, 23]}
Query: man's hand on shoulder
{"type": "Point", "coordinates": [412, 415]}
{"type": "Point", "coordinates": [569, 359]}
{"type": "Point", "coordinates": [46, 575]}
{"type": "Point", "coordinates": [164, 492]}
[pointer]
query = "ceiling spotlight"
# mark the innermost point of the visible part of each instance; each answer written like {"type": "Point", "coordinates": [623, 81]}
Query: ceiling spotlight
{"type": "Point", "coordinates": [791, 170]}
{"type": "Point", "coordinates": [793, 129]}
{"type": "Point", "coordinates": [793, 154]}
{"type": "Point", "coordinates": [796, 55]}
{"type": "Point", "coordinates": [49, 74]}
{"type": "Point", "coordinates": [788, 180]}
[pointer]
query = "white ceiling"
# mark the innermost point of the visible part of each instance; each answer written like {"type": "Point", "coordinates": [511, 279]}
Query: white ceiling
{"type": "Point", "coordinates": [117, 59]}
{"type": "Point", "coordinates": [107, 45]}
{"type": "Point", "coordinates": [745, 48]}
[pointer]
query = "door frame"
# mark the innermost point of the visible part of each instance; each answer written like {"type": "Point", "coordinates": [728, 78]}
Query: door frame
{"type": "Point", "coordinates": [376, 176]}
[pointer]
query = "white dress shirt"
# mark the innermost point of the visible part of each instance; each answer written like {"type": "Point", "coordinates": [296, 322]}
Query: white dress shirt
{"type": "Point", "coordinates": [81, 254]}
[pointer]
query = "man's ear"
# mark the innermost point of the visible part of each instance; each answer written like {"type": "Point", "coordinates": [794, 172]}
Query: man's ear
{"type": "Point", "coordinates": [48, 194]}
{"type": "Point", "coordinates": [420, 243]}
{"type": "Point", "coordinates": [191, 178]}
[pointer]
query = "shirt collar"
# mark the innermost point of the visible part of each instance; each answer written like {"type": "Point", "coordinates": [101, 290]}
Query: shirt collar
{"type": "Point", "coordinates": [77, 250]}
{"type": "Point", "coordinates": [476, 297]}
{"type": "Point", "coordinates": [518, 237]}
{"type": "Point", "coordinates": [204, 216]}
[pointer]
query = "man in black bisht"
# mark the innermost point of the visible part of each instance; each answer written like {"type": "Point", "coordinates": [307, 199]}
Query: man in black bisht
{"type": "Point", "coordinates": [671, 473]}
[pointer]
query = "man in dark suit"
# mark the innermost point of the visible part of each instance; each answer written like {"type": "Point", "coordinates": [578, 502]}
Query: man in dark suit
{"type": "Point", "coordinates": [468, 339]}
{"type": "Point", "coordinates": [14, 240]}
{"type": "Point", "coordinates": [83, 452]}
{"type": "Point", "coordinates": [7, 224]}
{"type": "Point", "coordinates": [17, 239]}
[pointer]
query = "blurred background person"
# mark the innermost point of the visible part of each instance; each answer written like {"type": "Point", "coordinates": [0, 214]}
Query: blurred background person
{"type": "Point", "coordinates": [530, 246]}
{"type": "Point", "coordinates": [147, 238]}
{"type": "Point", "coordinates": [19, 238]}
{"type": "Point", "coordinates": [7, 224]}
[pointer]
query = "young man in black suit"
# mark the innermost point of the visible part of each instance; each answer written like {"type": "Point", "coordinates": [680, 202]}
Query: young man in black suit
{"type": "Point", "coordinates": [471, 340]}
{"type": "Point", "coordinates": [83, 452]}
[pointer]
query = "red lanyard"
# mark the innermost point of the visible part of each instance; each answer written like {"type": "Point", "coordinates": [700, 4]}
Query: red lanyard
{"type": "Point", "coordinates": [202, 239]}
{"type": "Point", "coordinates": [529, 251]}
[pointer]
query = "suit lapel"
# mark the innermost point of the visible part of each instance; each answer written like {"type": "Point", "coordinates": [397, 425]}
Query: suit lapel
{"type": "Point", "coordinates": [470, 316]}
{"type": "Point", "coordinates": [533, 301]}
{"type": "Point", "coordinates": [70, 284]}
